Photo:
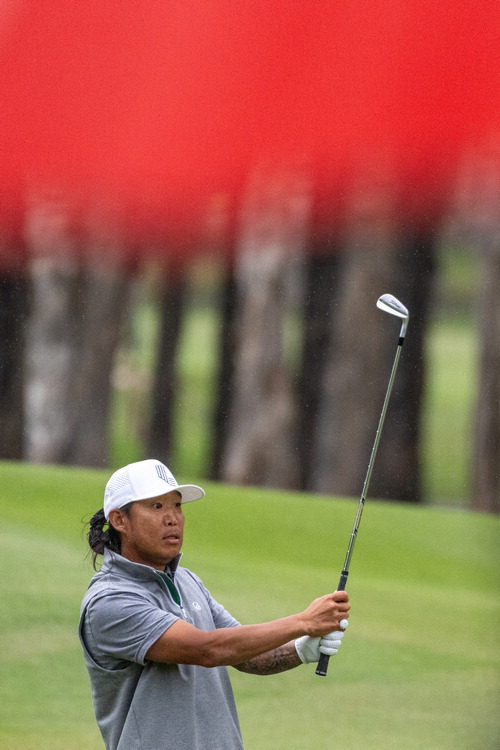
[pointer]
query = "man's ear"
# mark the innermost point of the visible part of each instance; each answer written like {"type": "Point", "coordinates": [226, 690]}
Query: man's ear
{"type": "Point", "coordinates": [117, 519]}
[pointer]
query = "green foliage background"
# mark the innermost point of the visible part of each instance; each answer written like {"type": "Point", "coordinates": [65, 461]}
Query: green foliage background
{"type": "Point", "coordinates": [419, 667]}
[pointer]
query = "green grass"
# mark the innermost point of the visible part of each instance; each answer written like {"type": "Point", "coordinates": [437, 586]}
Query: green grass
{"type": "Point", "coordinates": [448, 411]}
{"type": "Point", "coordinates": [419, 667]}
{"type": "Point", "coordinates": [198, 349]}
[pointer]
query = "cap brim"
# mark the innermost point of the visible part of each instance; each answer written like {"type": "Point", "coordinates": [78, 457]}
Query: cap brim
{"type": "Point", "coordinates": [190, 492]}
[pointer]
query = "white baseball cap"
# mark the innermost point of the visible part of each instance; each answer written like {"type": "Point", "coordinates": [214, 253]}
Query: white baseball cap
{"type": "Point", "coordinates": [142, 480]}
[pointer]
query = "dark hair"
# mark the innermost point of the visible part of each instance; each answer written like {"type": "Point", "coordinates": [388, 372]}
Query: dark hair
{"type": "Point", "coordinates": [102, 534]}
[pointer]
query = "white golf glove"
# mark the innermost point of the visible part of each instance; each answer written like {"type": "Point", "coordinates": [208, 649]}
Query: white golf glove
{"type": "Point", "coordinates": [309, 649]}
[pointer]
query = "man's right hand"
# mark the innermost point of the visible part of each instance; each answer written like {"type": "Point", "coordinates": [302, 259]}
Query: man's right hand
{"type": "Point", "coordinates": [323, 615]}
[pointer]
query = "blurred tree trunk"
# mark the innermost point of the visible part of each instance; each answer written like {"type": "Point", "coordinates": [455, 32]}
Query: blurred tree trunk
{"type": "Point", "coordinates": [73, 333]}
{"type": "Point", "coordinates": [51, 355]}
{"type": "Point", "coordinates": [355, 375]}
{"type": "Point", "coordinates": [486, 455]}
{"type": "Point", "coordinates": [475, 220]}
{"type": "Point", "coordinates": [104, 296]}
{"type": "Point", "coordinates": [14, 303]}
{"type": "Point", "coordinates": [260, 432]}
{"type": "Point", "coordinates": [172, 296]}
{"type": "Point", "coordinates": [398, 466]}
{"type": "Point", "coordinates": [225, 376]}
{"type": "Point", "coordinates": [378, 256]}
{"type": "Point", "coordinates": [479, 215]}
{"type": "Point", "coordinates": [321, 286]}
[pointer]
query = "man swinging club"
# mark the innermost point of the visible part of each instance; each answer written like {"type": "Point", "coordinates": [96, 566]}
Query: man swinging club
{"type": "Point", "coordinates": [157, 644]}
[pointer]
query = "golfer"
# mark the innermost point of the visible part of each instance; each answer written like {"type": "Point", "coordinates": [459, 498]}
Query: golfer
{"type": "Point", "coordinates": [157, 644]}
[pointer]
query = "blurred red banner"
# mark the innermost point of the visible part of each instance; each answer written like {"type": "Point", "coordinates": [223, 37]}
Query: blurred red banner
{"type": "Point", "coordinates": [161, 103]}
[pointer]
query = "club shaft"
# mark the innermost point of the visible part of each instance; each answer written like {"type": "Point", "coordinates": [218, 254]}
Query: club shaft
{"type": "Point", "coordinates": [372, 458]}
{"type": "Point", "coordinates": [322, 667]}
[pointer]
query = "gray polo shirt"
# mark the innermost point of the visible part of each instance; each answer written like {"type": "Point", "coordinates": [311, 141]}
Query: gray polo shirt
{"type": "Point", "coordinates": [145, 705]}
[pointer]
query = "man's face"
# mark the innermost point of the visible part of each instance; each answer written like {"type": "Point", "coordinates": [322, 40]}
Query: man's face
{"type": "Point", "coordinates": [153, 531]}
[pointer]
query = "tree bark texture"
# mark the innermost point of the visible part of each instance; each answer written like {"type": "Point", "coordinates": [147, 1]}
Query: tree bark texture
{"type": "Point", "coordinates": [260, 437]}
{"type": "Point", "coordinates": [14, 296]}
{"type": "Point", "coordinates": [225, 375]}
{"type": "Point", "coordinates": [72, 335]}
{"type": "Point", "coordinates": [172, 295]}
{"type": "Point", "coordinates": [475, 220]}
{"type": "Point", "coordinates": [321, 286]}
{"type": "Point", "coordinates": [355, 375]}
{"type": "Point", "coordinates": [398, 465]}
{"type": "Point", "coordinates": [486, 454]}
{"type": "Point", "coordinates": [378, 256]}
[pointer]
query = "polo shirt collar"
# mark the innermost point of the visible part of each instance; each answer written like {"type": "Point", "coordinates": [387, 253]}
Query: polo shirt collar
{"type": "Point", "coordinates": [121, 566]}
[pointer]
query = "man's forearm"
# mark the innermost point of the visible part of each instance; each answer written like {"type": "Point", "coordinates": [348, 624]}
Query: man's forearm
{"type": "Point", "coordinates": [182, 643]}
{"type": "Point", "coordinates": [278, 660]}
{"type": "Point", "coordinates": [260, 645]}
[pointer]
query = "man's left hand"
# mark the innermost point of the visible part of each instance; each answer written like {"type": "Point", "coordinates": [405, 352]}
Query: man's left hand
{"type": "Point", "coordinates": [309, 649]}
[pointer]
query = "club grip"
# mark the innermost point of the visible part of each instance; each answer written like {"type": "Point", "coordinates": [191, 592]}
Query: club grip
{"type": "Point", "coordinates": [322, 667]}
{"type": "Point", "coordinates": [323, 660]}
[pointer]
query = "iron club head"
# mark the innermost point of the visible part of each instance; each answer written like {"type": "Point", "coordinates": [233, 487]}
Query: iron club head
{"type": "Point", "coordinates": [389, 304]}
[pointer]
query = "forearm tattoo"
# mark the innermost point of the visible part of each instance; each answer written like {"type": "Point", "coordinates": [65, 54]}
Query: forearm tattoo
{"type": "Point", "coordinates": [278, 660]}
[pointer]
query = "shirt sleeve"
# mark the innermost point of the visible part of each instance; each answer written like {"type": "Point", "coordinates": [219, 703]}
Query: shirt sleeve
{"type": "Point", "coordinates": [121, 627]}
{"type": "Point", "coordinates": [221, 617]}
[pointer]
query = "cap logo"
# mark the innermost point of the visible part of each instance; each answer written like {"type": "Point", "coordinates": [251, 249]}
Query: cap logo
{"type": "Point", "coordinates": [162, 473]}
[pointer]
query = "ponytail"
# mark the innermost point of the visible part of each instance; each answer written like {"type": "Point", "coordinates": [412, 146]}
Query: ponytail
{"type": "Point", "coordinates": [102, 535]}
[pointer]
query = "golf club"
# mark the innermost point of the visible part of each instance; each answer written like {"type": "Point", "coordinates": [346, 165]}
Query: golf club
{"type": "Point", "coordinates": [391, 305]}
